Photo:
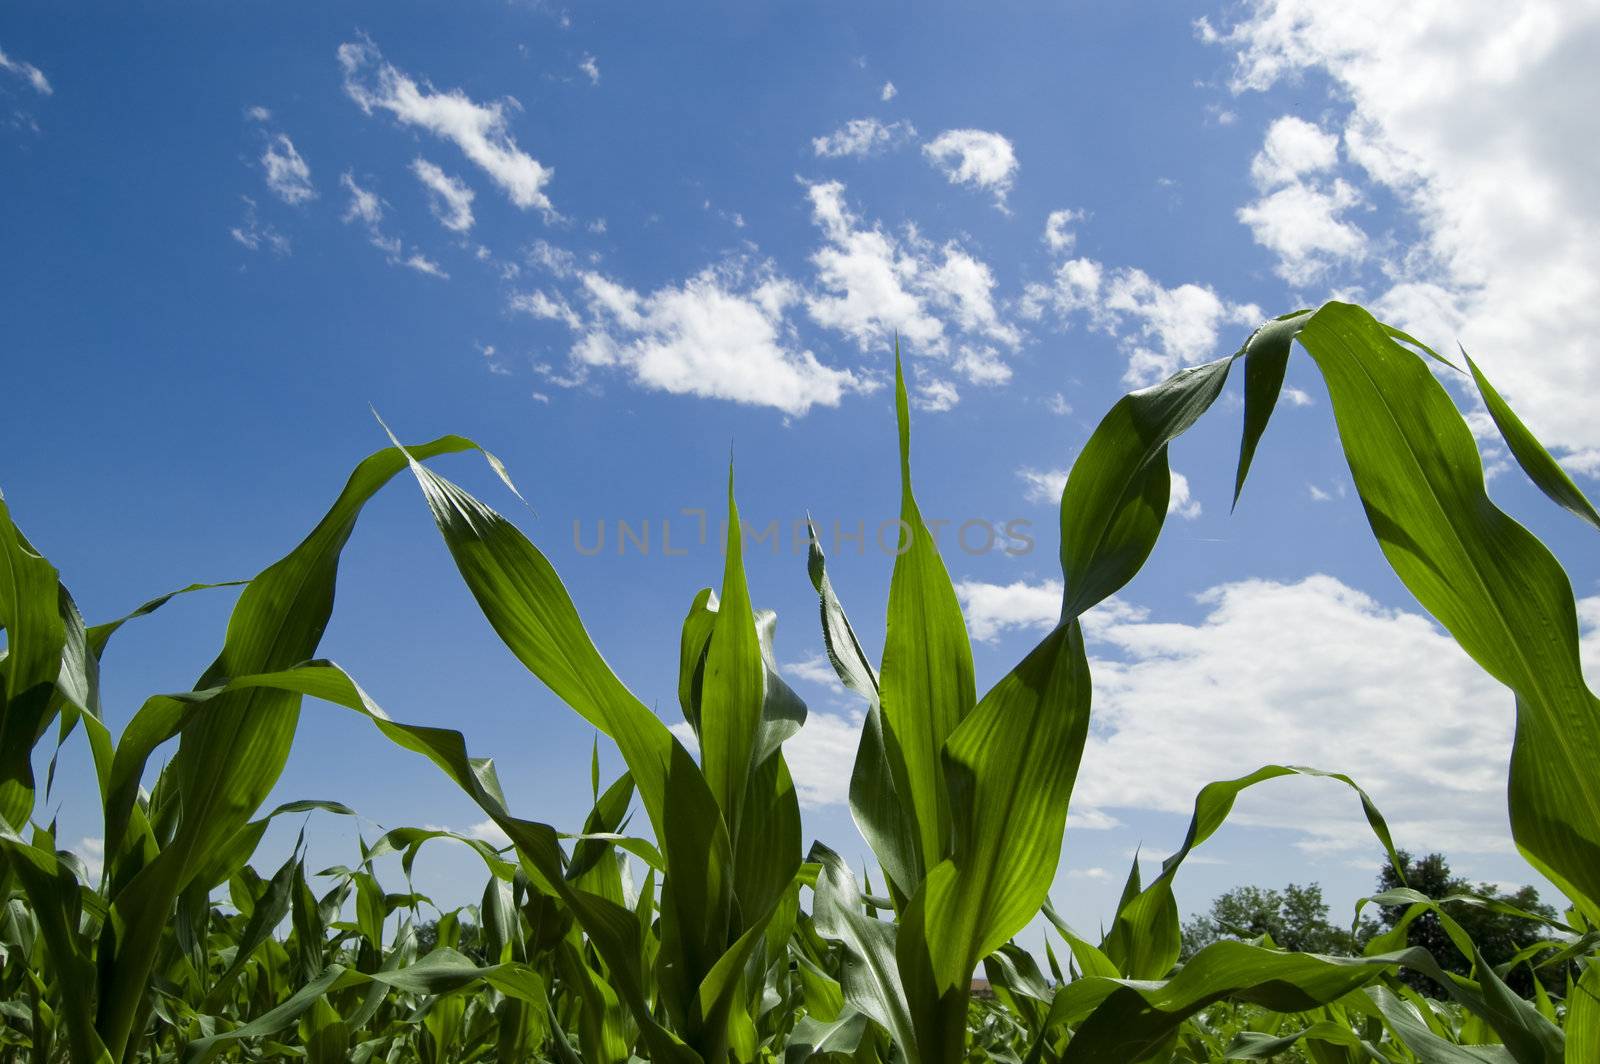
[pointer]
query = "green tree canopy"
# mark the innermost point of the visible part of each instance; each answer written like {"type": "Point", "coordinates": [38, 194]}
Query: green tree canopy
{"type": "Point", "coordinates": [1498, 935]}
{"type": "Point", "coordinates": [1294, 918]}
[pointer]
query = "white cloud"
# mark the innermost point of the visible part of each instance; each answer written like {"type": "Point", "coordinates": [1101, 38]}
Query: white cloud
{"type": "Point", "coordinates": [1297, 396]}
{"type": "Point", "coordinates": [91, 850]}
{"type": "Point", "coordinates": [27, 72]}
{"type": "Point", "coordinates": [888, 92]}
{"type": "Point", "coordinates": [1058, 405]}
{"type": "Point", "coordinates": [254, 234]}
{"type": "Point", "coordinates": [1044, 485]}
{"type": "Point", "coordinates": [480, 130]}
{"type": "Point", "coordinates": [258, 114]}
{"type": "Point", "coordinates": [721, 334]}
{"type": "Point", "coordinates": [862, 137]}
{"type": "Point", "coordinates": [874, 286]}
{"type": "Point", "coordinates": [816, 669]}
{"type": "Point", "coordinates": [936, 395]}
{"type": "Point", "coordinates": [982, 365]}
{"type": "Point", "coordinates": [1174, 327]}
{"type": "Point", "coordinates": [287, 174]}
{"type": "Point", "coordinates": [364, 205]}
{"type": "Point", "coordinates": [547, 307]}
{"type": "Point", "coordinates": [1464, 110]}
{"type": "Point", "coordinates": [422, 264]}
{"type": "Point", "coordinates": [1258, 679]}
{"type": "Point", "coordinates": [1293, 149]}
{"type": "Point", "coordinates": [992, 610]}
{"type": "Point", "coordinates": [367, 208]}
{"type": "Point", "coordinates": [591, 69]}
{"type": "Point", "coordinates": [484, 830]}
{"type": "Point", "coordinates": [1179, 500]}
{"type": "Point", "coordinates": [975, 157]}
{"type": "Point", "coordinates": [1057, 237]}
{"type": "Point", "coordinates": [449, 197]}
{"type": "Point", "coordinates": [1299, 213]}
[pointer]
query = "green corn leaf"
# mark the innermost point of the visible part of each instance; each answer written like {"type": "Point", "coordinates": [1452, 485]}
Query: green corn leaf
{"type": "Point", "coordinates": [1146, 937]}
{"type": "Point", "coordinates": [36, 636]}
{"type": "Point", "coordinates": [1530, 454]}
{"type": "Point", "coordinates": [1583, 1018]}
{"type": "Point", "coordinates": [1264, 369]}
{"type": "Point", "coordinates": [1010, 768]}
{"type": "Point", "coordinates": [1116, 496]}
{"type": "Point", "coordinates": [870, 977]}
{"type": "Point", "coordinates": [926, 682]}
{"type": "Point", "coordinates": [1490, 582]}
{"type": "Point", "coordinates": [732, 690]}
{"type": "Point", "coordinates": [1413, 1033]}
{"type": "Point", "coordinates": [1126, 1019]}
{"type": "Point", "coordinates": [885, 819]}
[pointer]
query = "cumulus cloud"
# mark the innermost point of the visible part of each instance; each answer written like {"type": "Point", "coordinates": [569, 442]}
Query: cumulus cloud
{"type": "Point", "coordinates": [935, 395]}
{"type": "Point", "coordinates": [873, 285]}
{"type": "Point", "coordinates": [1167, 328]}
{"type": "Point", "coordinates": [449, 197]}
{"type": "Point", "coordinates": [480, 130]}
{"type": "Point", "coordinates": [721, 334]}
{"type": "Point", "coordinates": [30, 73]}
{"type": "Point", "coordinates": [888, 92]}
{"type": "Point", "coordinates": [1057, 237]}
{"type": "Point", "coordinates": [287, 174]}
{"type": "Point", "coordinates": [1255, 681]}
{"type": "Point", "coordinates": [995, 609]}
{"type": "Point", "coordinates": [975, 157]}
{"type": "Point", "coordinates": [1044, 485]}
{"type": "Point", "coordinates": [1463, 110]}
{"type": "Point", "coordinates": [1299, 215]}
{"type": "Point", "coordinates": [862, 137]}
{"type": "Point", "coordinates": [1179, 501]}
{"type": "Point", "coordinates": [591, 69]}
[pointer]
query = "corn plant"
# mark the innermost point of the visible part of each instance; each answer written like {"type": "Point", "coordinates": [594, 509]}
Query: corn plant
{"type": "Point", "coordinates": [691, 941]}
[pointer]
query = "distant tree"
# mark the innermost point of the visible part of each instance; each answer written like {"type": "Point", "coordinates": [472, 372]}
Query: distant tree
{"type": "Point", "coordinates": [1295, 918]}
{"type": "Point", "coordinates": [1498, 936]}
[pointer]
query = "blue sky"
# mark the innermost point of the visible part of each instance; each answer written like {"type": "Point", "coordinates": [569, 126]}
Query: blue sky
{"type": "Point", "coordinates": [612, 242]}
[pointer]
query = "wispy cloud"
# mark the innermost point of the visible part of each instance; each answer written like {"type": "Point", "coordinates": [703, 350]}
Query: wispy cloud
{"type": "Point", "coordinates": [449, 197]}
{"type": "Point", "coordinates": [287, 174]}
{"type": "Point", "coordinates": [480, 130]}
{"type": "Point", "coordinates": [27, 72]}
{"type": "Point", "coordinates": [255, 235]}
{"type": "Point", "coordinates": [861, 137]}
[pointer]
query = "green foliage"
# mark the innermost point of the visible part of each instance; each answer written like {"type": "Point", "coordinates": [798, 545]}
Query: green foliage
{"type": "Point", "coordinates": [1294, 919]}
{"type": "Point", "coordinates": [704, 935]}
{"type": "Point", "coordinates": [1492, 918]}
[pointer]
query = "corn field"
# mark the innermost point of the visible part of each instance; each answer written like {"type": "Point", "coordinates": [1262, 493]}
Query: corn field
{"type": "Point", "coordinates": [712, 932]}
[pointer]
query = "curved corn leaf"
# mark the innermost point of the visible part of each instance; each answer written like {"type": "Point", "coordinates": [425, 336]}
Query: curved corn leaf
{"type": "Point", "coordinates": [1490, 582]}
{"type": "Point", "coordinates": [1530, 454]}
{"type": "Point", "coordinates": [1145, 937]}
{"type": "Point", "coordinates": [885, 819]}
